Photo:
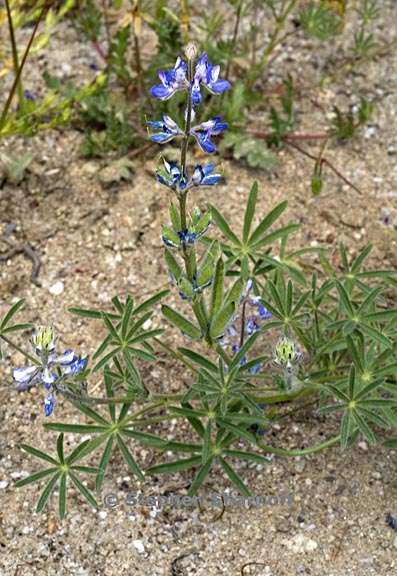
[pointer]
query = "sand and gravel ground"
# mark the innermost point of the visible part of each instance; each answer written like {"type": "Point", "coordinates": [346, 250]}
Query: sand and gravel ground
{"type": "Point", "coordinates": [95, 242]}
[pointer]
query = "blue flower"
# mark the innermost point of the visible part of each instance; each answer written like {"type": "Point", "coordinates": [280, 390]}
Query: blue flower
{"type": "Point", "coordinates": [168, 129]}
{"type": "Point", "coordinates": [172, 177]}
{"type": "Point", "coordinates": [49, 404]}
{"type": "Point", "coordinates": [50, 368]}
{"type": "Point", "coordinates": [251, 326]}
{"type": "Point", "coordinates": [187, 237]}
{"type": "Point", "coordinates": [207, 75]}
{"type": "Point", "coordinates": [29, 96]}
{"type": "Point", "coordinates": [171, 81]}
{"type": "Point", "coordinates": [203, 132]}
{"type": "Point", "coordinates": [202, 175]}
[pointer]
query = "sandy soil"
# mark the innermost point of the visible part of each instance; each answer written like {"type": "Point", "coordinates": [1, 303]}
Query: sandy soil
{"type": "Point", "coordinates": [96, 242]}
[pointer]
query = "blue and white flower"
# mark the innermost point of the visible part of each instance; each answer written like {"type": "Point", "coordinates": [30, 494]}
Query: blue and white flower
{"type": "Point", "coordinates": [172, 177]}
{"type": "Point", "coordinates": [171, 81]}
{"type": "Point", "coordinates": [203, 175]}
{"type": "Point", "coordinates": [50, 369]}
{"type": "Point", "coordinates": [207, 75]}
{"type": "Point", "coordinates": [204, 131]}
{"type": "Point", "coordinates": [168, 129]}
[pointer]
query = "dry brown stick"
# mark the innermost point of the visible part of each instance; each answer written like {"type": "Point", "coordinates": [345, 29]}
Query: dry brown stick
{"type": "Point", "coordinates": [29, 252]}
{"type": "Point", "coordinates": [293, 135]}
{"type": "Point", "coordinates": [324, 161]}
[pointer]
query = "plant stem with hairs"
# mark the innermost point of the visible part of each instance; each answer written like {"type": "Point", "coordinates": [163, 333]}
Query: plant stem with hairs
{"type": "Point", "coordinates": [18, 75]}
{"type": "Point", "coordinates": [15, 58]}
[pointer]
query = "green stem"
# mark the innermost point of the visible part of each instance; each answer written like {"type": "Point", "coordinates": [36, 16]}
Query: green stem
{"type": "Point", "coordinates": [21, 67]}
{"type": "Point", "coordinates": [16, 347]}
{"type": "Point", "coordinates": [274, 40]}
{"type": "Point", "coordinates": [177, 355]}
{"type": "Point", "coordinates": [234, 38]}
{"type": "Point", "coordinates": [15, 58]}
{"type": "Point", "coordinates": [304, 452]}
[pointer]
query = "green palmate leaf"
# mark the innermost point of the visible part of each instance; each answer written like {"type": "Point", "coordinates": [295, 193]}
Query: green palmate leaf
{"type": "Point", "coordinates": [207, 444]}
{"type": "Point", "coordinates": [201, 476]}
{"type": "Point", "coordinates": [243, 350]}
{"type": "Point", "coordinates": [221, 320]}
{"type": "Point", "coordinates": [173, 265]}
{"type": "Point", "coordinates": [62, 496]}
{"type": "Point", "coordinates": [376, 335]}
{"type": "Point", "coordinates": [176, 466]}
{"type": "Point", "coordinates": [248, 456]}
{"type": "Point", "coordinates": [238, 431]}
{"type": "Point", "coordinates": [346, 428]}
{"type": "Point", "coordinates": [199, 359]}
{"type": "Point", "coordinates": [344, 297]}
{"type": "Point", "coordinates": [38, 453]}
{"type": "Point", "coordinates": [103, 464]}
{"type": "Point", "coordinates": [35, 477]}
{"type": "Point", "coordinates": [96, 314]}
{"type": "Point", "coordinates": [276, 235]}
{"type": "Point", "coordinates": [9, 315]}
{"type": "Point", "coordinates": [60, 448]}
{"type": "Point", "coordinates": [83, 490]}
{"type": "Point", "coordinates": [250, 211]}
{"type": "Point", "coordinates": [267, 221]}
{"type": "Point", "coordinates": [150, 302]}
{"type": "Point", "coordinates": [224, 226]}
{"type": "Point", "coordinates": [181, 322]}
{"type": "Point", "coordinates": [47, 492]}
{"type": "Point", "coordinates": [235, 478]}
{"type": "Point", "coordinates": [75, 455]}
{"type": "Point", "coordinates": [106, 359]}
{"type": "Point", "coordinates": [144, 437]}
{"type": "Point", "coordinates": [217, 287]}
{"type": "Point", "coordinates": [129, 458]}
{"type": "Point", "coordinates": [234, 293]}
{"type": "Point", "coordinates": [364, 428]}
{"type": "Point", "coordinates": [76, 428]}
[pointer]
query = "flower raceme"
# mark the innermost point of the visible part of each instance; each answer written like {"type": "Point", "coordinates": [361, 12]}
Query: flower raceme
{"type": "Point", "coordinates": [50, 369]}
{"type": "Point", "coordinates": [176, 79]}
{"type": "Point", "coordinates": [168, 130]}
{"type": "Point", "coordinates": [171, 176]}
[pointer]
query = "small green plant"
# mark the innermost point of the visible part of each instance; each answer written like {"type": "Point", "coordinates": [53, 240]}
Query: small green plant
{"type": "Point", "coordinates": [260, 331]}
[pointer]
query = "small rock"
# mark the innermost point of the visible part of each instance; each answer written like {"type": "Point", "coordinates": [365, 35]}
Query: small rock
{"type": "Point", "coordinates": [363, 446]}
{"type": "Point", "coordinates": [57, 288]}
{"type": "Point", "coordinates": [376, 475]}
{"type": "Point", "coordinates": [3, 484]}
{"type": "Point", "coordinates": [138, 545]}
{"type": "Point", "coordinates": [102, 514]}
{"type": "Point", "coordinates": [395, 542]}
{"type": "Point", "coordinates": [301, 544]}
{"type": "Point", "coordinates": [115, 172]}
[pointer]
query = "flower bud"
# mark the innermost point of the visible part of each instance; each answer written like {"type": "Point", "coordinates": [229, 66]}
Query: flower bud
{"type": "Point", "coordinates": [44, 339]}
{"type": "Point", "coordinates": [286, 354]}
{"type": "Point", "coordinates": [191, 51]}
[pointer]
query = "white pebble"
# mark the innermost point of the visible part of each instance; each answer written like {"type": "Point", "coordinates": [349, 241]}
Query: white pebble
{"type": "Point", "coordinates": [3, 484]}
{"type": "Point", "coordinates": [138, 544]}
{"type": "Point", "coordinates": [57, 288]}
{"type": "Point", "coordinates": [102, 514]}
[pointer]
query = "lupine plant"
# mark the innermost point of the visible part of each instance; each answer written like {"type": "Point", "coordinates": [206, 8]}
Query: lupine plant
{"type": "Point", "coordinates": [264, 326]}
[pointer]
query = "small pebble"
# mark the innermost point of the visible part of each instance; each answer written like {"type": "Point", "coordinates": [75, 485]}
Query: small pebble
{"type": "Point", "coordinates": [3, 484]}
{"type": "Point", "coordinates": [138, 545]}
{"type": "Point", "coordinates": [57, 288]}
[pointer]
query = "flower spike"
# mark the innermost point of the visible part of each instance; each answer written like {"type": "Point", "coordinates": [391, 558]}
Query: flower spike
{"type": "Point", "coordinates": [168, 130]}
{"type": "Point", "coordinates": [203, 132]}
{"type": "Point", "coordinates": [171, 81]}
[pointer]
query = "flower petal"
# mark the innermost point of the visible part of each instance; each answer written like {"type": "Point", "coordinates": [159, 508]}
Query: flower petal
{"type": "Point", "coordinates": [25, 375]}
